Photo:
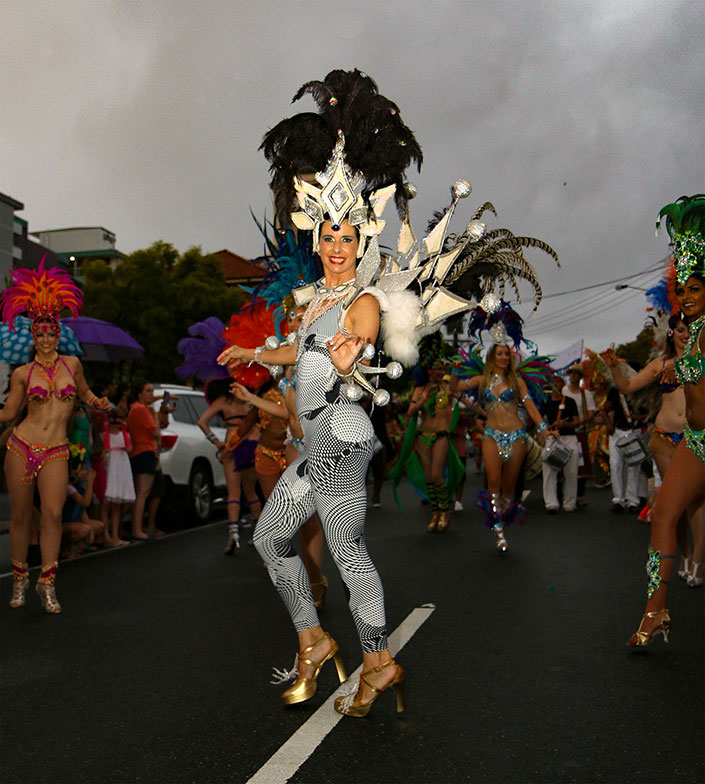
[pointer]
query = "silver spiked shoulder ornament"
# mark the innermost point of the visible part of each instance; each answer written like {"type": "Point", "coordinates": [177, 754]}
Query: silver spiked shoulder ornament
{"type": "Point", "coordinates": [413, 289]}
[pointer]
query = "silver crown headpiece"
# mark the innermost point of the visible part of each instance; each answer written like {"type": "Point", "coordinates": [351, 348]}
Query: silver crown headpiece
{"type": "Point", "coordinates": [338, 198]}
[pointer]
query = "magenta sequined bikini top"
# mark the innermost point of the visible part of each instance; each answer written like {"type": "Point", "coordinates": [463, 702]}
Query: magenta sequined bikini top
{"type": "Point", "coordinates": [41, 394]}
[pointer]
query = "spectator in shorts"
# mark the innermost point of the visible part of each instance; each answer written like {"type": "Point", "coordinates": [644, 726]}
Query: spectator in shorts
{"type": "Point", "coordinates": [143, 425]}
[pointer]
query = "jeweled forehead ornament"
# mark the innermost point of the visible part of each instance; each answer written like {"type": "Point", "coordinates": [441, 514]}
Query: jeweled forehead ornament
{"type": "Point", "coordinates": [500, 336]}
{"type": "Point", "coordinates": [689, 252]}
{"type": "Point", "coordinates": [338, 198]}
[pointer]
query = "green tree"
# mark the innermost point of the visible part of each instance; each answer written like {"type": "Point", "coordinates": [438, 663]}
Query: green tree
{"type": "Point", "coordinates": [637, 351]}
{"type": "Point", "coordinates": [155, 295]}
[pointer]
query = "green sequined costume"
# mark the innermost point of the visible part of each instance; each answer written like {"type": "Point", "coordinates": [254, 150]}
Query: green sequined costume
{"type": "Point", "coordinates": [690, 369]}
{"type": "Point", "coordinates": [409, 462]}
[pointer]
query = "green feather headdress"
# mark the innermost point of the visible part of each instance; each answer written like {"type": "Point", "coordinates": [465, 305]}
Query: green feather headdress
{"type": "Point", "coordinates": [685, 224]}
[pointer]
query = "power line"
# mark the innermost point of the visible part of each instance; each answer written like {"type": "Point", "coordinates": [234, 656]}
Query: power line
{"type": "Point", "coordinates": [577, 309]}
{"type": "Point", "coordinates": [609, 305]}
{"type": "Point", "coordinates": [542, 319]}
{"type": "Point", "coordinates": [659, 266]}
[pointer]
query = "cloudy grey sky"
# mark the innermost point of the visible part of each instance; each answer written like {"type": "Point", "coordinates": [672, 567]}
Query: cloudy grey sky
{"type": "Point", "coordinates": [578, 120]}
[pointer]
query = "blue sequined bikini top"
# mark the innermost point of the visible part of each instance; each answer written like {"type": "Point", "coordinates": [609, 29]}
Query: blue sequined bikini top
{"type": "Point", "coordinates": [667, 386]}
{"type": "Point", "coordinates": [505, 396]}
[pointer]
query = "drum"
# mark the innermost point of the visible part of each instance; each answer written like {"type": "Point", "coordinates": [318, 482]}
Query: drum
{"type": "Point", "coordinates": [532, 464]}
{"type": "Point", "coordinates": [633, 448]}
{"type": "Point", "coordinates": [556, 454]}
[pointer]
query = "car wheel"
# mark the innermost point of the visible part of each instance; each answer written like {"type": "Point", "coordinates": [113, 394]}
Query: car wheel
{"type": "Point", "coordinates": [200, 489]}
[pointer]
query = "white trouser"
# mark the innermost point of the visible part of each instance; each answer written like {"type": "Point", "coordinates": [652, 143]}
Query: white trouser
{"type": "Point", "coordinates": [570, 478]}
{"type": "Point", "coordinates": [618, 470]}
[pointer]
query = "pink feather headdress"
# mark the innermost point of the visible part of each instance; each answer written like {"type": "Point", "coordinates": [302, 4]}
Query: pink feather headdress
{"type": "Point", "coordinates": [42, 294]}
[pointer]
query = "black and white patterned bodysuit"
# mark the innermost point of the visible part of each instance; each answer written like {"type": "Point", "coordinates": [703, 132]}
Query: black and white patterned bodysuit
{"type": "Point", "coordinates": [328, 478]}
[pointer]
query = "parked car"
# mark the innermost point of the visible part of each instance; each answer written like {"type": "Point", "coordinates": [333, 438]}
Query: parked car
{"type": "Point", "coordinates": [189, 462]}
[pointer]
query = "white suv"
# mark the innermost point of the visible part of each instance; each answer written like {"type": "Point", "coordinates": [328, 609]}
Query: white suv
{"type": "Point", "coordinates": [188, 460]}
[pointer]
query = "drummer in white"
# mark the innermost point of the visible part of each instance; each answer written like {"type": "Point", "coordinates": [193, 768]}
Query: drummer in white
{"type": "Point", "coordinates": [561, 414]}
{"type": "Point", "coordinates": [623, 473]}
{"type": "Point", "coordinates": [586, 411]}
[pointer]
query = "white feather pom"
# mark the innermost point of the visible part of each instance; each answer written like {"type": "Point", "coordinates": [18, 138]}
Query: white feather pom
{"type": "Point", "coordinates": [398, 326]}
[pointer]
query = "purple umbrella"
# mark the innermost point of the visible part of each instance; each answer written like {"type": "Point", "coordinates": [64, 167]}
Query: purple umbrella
{"type": "Point", "coordinates": [103, 341]}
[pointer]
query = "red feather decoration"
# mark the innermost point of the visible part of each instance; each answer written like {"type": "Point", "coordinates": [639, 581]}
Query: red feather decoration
{"type": "Point", "coordinates": [249, 328]}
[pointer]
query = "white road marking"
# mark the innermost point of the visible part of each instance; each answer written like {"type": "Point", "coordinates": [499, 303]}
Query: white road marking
{"type": "Point", "coordinates": [284, 763]}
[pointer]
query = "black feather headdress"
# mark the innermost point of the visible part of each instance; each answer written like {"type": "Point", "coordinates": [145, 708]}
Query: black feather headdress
{"type": "Point", "coordinates": [378, 146]}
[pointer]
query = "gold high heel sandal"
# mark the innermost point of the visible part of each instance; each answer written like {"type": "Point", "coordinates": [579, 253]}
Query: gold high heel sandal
{"type": "Point", "coordinates": [641, 639]}
{"type": "Point", "coordinates": [305, 688]}
{"type": "Point", "coordinates": [435, 517]}
{"type": "Point", "coordinates": [443, 521]}
{"type": "Point", "coordinates": [19, 590]}
{"type": "Point", "coordinates": [47, 593]}
{"type": "Point", "coordinates": [319, 604]}
{"type": "Point", "coordinates": [346, 705]}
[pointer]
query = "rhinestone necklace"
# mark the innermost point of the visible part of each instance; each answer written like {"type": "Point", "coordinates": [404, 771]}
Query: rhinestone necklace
{"type": "Point", "coordinates": [325, 299]}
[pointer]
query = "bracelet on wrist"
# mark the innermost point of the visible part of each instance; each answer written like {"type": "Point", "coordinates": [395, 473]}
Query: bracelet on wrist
{"type": "Point", "coordinates": [347, 376]}
{"type": "Point", "coordinates": [211, 437]}
{"type": "Point", "coordinates": [542, 427]}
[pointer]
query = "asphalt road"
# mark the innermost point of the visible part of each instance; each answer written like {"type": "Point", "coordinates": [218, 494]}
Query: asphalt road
{"type": "Point", "coordinates": [158, 669]}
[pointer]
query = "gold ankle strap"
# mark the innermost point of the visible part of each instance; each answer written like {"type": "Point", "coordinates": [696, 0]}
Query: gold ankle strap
{"type": "Point", "coordinates": [324, 636]}
{"type": "Point", "coordinates": [377, 668]}
{"type": "Point", "coordinates": [656, 613]}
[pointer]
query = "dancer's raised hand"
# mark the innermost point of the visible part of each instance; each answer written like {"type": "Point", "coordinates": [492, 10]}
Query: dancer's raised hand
{"type": "Point", "coordinates": [344, 350]}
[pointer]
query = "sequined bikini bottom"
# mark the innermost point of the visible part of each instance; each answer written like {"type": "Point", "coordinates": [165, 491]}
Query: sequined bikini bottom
{"type": "Point", "coordinates": [269, 462]}
{"type": "Point", "coordinates": [505, 440]}
{"type": "Point", "coordinates": [35, 456]}
{"type": "Point", "coordinates": [429, 437]}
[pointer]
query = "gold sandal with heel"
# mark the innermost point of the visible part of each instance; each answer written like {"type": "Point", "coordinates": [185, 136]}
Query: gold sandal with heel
{"type": "Point", "coordinates": [305, 688]}
{"type": "Point", "coordinates": [435, 517]}
{"type": "Point", "coordinates": [640, 639]}
{"type": "Point", "coordinates": [443, 520]}
{"type": "Point", "coordinates": [19, 592]}
{"type": "Point", "coordinates": [47, 594]}
{"type": "Point", "coordinates": [346, 705]}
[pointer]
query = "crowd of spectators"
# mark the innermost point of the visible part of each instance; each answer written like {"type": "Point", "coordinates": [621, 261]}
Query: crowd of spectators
{"type": "Point", "coordinates": [114, 475]}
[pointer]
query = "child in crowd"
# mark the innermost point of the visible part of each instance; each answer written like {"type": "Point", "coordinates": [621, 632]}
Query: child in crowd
{"type": "Point", "coordinates": [78, 528]}
{"type": "Point", "coordinates": [120, 487]}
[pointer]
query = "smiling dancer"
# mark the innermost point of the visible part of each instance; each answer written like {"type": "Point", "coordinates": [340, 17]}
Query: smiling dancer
{"type": "Point", "coordinates": [685, 476]}
{"type": "Point", "coordinates": [370, 147]}
{"type": "Point", "coordinates": [502, 387]}
{"type": "Point", "coordinates": [38, 449]}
